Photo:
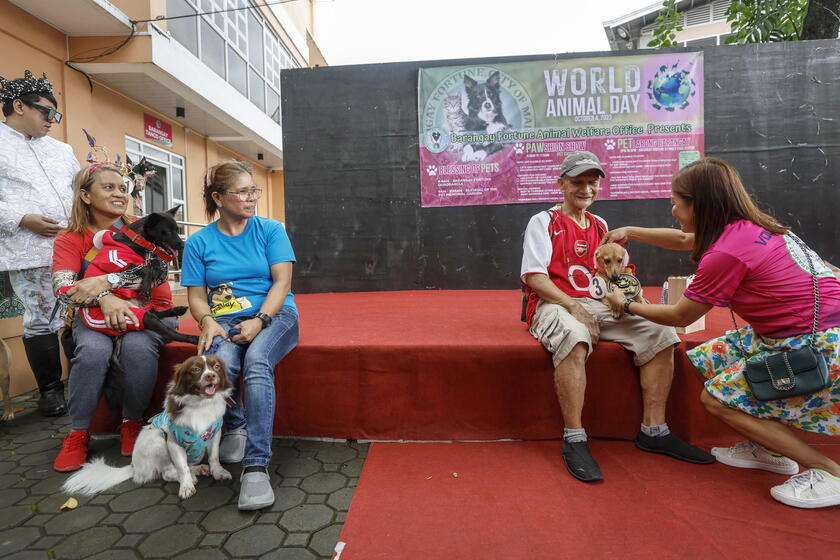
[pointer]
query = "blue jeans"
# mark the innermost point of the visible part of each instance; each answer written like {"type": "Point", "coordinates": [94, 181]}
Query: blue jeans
{"type": "Point", "coordinates": [257, 359]}
{"type": "Point", "coordinates": [89, 366]}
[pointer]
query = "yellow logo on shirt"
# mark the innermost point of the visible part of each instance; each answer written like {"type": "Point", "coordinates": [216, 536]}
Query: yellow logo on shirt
{"type": "Point", "coordinates": [223, 301]}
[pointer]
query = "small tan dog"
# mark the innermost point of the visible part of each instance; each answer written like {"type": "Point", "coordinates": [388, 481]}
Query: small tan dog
{"type": "Point", "coordinates": [5, 379]}
{"type": "Point", "coordinates": [613, 265]}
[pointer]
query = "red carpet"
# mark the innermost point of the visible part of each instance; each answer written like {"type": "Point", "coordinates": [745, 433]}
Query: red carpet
{"type": "Point", "coordinates": [515, 500]}
{"type": "Point", "coordinates": [443, 365]}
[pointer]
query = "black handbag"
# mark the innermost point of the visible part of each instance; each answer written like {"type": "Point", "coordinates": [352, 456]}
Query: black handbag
{"type": "Point", "coordinates": [780, 375]}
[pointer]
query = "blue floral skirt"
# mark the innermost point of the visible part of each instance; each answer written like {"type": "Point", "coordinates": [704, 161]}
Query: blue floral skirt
{"type": "Point", "coordinates": [721, 362]}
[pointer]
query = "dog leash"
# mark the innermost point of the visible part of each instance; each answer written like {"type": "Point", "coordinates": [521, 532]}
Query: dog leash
{"type": "Point", "coordinates": [136, 238]}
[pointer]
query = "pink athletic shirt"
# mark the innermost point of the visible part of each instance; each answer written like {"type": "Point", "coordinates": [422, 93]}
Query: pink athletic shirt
{"type": "Point", "coordinates": [765, 278]}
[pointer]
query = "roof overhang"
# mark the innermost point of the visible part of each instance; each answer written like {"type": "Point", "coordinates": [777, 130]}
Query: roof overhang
{"type": "Point", "coordinates": [176, 78]}
{"type": "Point", "coordinates": [78, 17]}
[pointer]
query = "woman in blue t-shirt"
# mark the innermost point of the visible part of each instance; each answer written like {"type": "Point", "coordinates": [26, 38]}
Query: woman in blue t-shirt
{"type": "Point", "coordinates": [238, 273]}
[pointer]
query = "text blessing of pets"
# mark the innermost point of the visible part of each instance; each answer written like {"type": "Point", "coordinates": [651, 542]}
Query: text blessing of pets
{"type": "Point", "coordinates": [576, 92]}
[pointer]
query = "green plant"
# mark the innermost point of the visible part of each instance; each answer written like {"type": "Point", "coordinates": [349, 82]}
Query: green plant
{"type": "Point", "coordinates": [668, 22]}
{"type": "Point", "coordinates": [760, 21]}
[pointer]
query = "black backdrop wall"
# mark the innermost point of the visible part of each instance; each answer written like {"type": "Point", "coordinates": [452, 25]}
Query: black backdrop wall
{"type": "Point", "coordinates": [352, 173]}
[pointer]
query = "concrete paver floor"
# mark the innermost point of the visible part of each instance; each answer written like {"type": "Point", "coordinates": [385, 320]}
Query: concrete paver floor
{"type": "Point", "coordinates": [314, 482]}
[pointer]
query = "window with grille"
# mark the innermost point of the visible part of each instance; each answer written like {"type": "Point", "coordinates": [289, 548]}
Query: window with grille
{"type": "Point", "coordinates": [237, 45]}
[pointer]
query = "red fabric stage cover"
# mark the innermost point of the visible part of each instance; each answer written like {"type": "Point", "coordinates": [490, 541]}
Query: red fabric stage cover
{"type": "Point", "coordinates": [443, 365]}
{"type": "Point", "coordinates": [515, 500]}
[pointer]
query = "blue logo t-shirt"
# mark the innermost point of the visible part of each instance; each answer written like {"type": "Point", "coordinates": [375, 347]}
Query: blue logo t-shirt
{"type": "Point", "coordinates": [237, 269]}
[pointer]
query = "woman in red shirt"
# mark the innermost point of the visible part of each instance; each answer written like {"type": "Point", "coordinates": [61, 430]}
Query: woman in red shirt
{"type": "Point", "coordinates": [100, 201]}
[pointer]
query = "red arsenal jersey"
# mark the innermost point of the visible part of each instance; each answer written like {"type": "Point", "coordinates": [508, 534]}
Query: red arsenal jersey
{"type": "Point", "coordinates": [557, 246]}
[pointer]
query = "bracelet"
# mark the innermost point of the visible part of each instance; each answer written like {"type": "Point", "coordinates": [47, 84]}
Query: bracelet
{"type": "Point", "coordinates": [627, 303]}
{"type": "Point", "coordinates": [201, 320]}
{"type": "Point", "coordinates": [102, 295]}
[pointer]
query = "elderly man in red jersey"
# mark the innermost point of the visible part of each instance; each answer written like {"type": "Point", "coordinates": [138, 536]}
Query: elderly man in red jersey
{"type": "Point", "coordinates": [557, 269]}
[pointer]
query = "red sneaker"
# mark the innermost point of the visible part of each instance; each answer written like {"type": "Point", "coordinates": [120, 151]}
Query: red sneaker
{"type": "Point", "coordinates": [129, 430]}
{"type": "Point", "coordinates": [74, 450]}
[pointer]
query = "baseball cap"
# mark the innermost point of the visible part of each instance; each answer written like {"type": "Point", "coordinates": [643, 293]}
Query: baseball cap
{"type": "Point", "coordinates": [578, 162]}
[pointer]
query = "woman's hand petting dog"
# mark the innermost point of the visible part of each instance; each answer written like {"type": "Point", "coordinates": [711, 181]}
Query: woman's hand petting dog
{"type": "Point", "coordinates": [247, 331]}
{"type": "Point", "coordinates": [116, 311]}
{"type": "Point", "coordinates": [619, 235]}
{"type": "Point", "coordinates": [86, 289]}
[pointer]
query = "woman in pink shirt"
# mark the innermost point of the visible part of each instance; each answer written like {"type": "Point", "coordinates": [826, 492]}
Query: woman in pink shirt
{"type": "Point", "coordinates": [749, 262]}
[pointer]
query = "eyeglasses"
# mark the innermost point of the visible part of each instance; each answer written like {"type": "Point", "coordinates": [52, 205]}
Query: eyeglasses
{"type": "Point", "coordinates": [49, 112]}
{"type": "Point", "coordinates": [245, 194]}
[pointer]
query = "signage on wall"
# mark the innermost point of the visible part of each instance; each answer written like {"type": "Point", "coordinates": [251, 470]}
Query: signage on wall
{"type": "Point", "coordinates": [157, 130]}
{"type": "Point", "coordinates": [497, 133]}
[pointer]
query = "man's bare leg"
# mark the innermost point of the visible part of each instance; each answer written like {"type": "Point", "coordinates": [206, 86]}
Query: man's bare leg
{"type": "Point", "coordinates": [655, 378]}
{"type": "Point", "coordinates": [570, 385]}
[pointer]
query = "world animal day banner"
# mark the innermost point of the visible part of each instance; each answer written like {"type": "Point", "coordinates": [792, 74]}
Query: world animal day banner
{"type": "Point", "coordinates": [497, 133]}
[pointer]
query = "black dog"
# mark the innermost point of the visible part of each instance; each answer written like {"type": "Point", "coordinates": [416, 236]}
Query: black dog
{"type": "Point", "coordinates": [155, 238]}
{"type": "Point", "coordinates": [484, 114]}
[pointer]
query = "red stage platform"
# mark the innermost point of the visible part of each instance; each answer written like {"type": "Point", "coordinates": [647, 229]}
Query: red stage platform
{"type": "Point", "coordinates": [449, 365]}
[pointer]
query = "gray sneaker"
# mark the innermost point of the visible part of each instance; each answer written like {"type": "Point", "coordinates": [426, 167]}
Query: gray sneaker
{"type": "Point", "coordinates": [255, 491]}
{"type": "Point", "coordinates": [232, 447]}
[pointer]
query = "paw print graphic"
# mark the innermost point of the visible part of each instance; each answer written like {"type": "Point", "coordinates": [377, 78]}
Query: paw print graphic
{"type": "Point", "coordinates": [609, 144]}
{"type": "Point", "coordinates": [431, 170]}
{"type": "Point", "coordinates": [518, 148]}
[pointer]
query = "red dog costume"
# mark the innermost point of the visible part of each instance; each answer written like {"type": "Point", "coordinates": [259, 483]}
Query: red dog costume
{"type": "Point", "coordinates": [114, 256]}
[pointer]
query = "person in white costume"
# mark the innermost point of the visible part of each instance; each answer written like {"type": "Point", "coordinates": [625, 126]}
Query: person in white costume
{"type": "Point", "coordinates": [36, 192]}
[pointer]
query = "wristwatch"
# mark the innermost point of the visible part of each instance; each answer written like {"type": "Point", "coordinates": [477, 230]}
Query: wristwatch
{"type": "Point", "coordinates": [113, 279]}
{"type": "Point", "coordinates": [627, 303]}
{"type": "Point", "coordinates": [266, 320]}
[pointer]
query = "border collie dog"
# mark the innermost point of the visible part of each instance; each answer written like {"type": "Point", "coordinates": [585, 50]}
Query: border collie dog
{"type": "Point", "coordinates": [484, 114]}
{"type": "Point", "coordinates": [484, 105]}
{"type": "Point", "coordinates": [173, 444]}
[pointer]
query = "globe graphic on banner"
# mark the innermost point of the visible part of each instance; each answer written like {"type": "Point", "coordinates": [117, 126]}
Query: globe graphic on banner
{"type": "Point", "coordinates": [672, 88]}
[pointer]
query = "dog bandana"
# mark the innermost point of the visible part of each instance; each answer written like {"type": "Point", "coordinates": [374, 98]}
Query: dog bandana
{"type": "Point", "coordinates": [192, 442]}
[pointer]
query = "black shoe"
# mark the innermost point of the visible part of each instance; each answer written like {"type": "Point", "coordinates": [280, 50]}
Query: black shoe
{"type": "Point", "coordinates": [580, 463]}
{"type": "Point", "coordinates": [673, 446]}
{"type": "Point", "coordinates": [52, 401]}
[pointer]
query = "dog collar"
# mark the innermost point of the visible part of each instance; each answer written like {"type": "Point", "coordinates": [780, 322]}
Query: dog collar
{"type": "Point", "coordinates": [136, 238]}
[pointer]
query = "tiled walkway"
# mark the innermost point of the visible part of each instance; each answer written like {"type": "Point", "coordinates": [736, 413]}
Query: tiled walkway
{"type": "Point", "coordinates": [314, 483]}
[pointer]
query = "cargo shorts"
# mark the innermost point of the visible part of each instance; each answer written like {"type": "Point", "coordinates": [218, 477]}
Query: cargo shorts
{"type": "Point", "coordinates": [559, 332]}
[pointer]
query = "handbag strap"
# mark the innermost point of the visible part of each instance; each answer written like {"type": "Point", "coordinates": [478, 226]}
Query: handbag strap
{"type": "Point", "coordinates": [807, 252]}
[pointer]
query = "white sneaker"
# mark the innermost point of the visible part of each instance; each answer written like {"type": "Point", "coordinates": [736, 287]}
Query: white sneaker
{"type": "Point", "coordinates": [749, 455]}
{"type": "Point", "coordinates": [810, 489]}
{"type": "Point", "coordinates": [232, 447]}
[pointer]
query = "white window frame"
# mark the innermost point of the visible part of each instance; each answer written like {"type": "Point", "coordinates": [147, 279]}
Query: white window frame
{"type": "Point", "coordinates": [172, 166]}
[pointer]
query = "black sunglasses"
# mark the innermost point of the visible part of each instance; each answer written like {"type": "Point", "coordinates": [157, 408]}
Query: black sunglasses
{"type": "Point", "coordinates": [49, 112]}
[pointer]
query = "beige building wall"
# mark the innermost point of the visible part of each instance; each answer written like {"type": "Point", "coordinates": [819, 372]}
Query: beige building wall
{"type": "Point", "coordinates": [109, 115]}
